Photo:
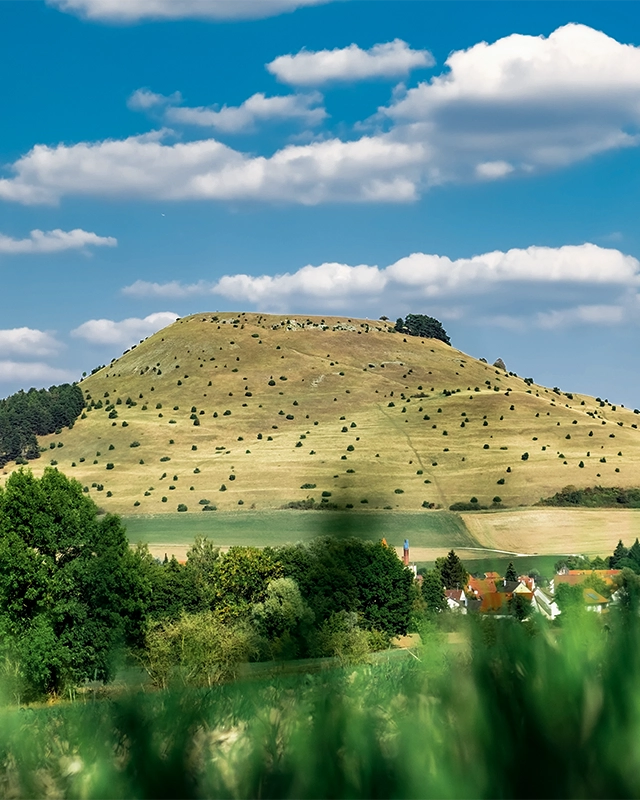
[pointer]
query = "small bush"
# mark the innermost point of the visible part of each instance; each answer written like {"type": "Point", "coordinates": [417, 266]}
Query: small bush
{"type": "Point", "coordinates": [398, 491]}
{"type": "Point", "coordinates": [109, 465]}
{"type": "Point", "coordinates": [500, 481]}
{"type": "Point", "coordinates": [524, 457]}
{"type": "Point", "coordinates": [308, 486]}
{"type": "Point", "coordinates": [165, 458]}
{"type": "Point", "coordinates": [223, 488]}
{"type": "Point", "coordinates": [134, 444]}
{"type": "Point", "coordinates": [182, 507]}
{"type": "Point", "coordinates": [350, 448]}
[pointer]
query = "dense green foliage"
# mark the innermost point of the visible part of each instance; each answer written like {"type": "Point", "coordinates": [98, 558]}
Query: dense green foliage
{"type": "Point", "coordinates": [594, 497]}
{"type": "Point", "coordinates": [422, 325]}
{"type": "Point", "coordinates": [75, 600]}
{"type": "Point", "coordinates": [71, 590]}
{"type": "Point", "coordinates": [433, 591]}
{"type": "Point", "coordinates": [336, 574]}
{"type": "Point", "coordinates": [26, 415]}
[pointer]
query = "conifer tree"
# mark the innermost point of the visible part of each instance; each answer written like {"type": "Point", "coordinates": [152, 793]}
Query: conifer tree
{"type": "Point", "coordinates": [452, 571]}
{"type": "Point", "coordinates": [511, 574]}
{"type": "Point", "coordinates": [634, 553]}
{"type": "Point", "coordinates": [619, 554]}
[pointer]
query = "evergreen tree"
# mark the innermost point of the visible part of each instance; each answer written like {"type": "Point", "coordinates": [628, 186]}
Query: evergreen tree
{"type": "Point", "coordinates": [619, 554]}
{"type": "Point", "coordinates": [26, 415]}
{"type": "Point", "coordinates": [634, 554]}
{"type": "Point", "coordinates": [452, 571]}
{"type": "Point", "coordinates": [511, 574]}
{"type": "Point", "coordinates": [433, 591]}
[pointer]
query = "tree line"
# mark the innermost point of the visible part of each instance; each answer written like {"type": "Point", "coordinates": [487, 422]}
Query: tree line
{"type": "Point", "coordinates": [27, 415]}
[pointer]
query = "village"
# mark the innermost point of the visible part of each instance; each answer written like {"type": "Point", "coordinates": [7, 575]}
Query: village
{"type": "Point", "coordinates": [490, 593]}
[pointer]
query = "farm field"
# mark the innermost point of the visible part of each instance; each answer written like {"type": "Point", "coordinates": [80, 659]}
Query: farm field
{"type": "Point", "coordinates": [531, 531]}
{"type": "Point", "coordinates": [250, 411]}
{"type": "Point", "coordinates": [429, 533]}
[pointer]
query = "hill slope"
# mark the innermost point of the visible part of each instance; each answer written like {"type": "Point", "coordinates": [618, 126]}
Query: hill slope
{"type": "Point", "coordinates": [265, 405]}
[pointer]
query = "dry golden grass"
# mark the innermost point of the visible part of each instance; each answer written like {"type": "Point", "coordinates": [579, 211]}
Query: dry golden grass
{"type": "Point", "coordinates": [338, 371]}
{"type": "Point", "coordinates": [555, 530]}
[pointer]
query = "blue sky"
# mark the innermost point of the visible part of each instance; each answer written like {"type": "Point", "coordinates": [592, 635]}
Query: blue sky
{"type": "Point", "coordinates": [164, 157]}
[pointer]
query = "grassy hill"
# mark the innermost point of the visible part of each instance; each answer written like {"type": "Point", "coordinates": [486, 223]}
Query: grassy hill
{"type": "Point", "coordinates": [341, 411]}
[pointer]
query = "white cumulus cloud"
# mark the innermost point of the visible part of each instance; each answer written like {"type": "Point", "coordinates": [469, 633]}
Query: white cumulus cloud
{"type": "Point", "coordinates": [582, 315]}
{"type": "Point", "coordinates": [145, 99]}
{"type": "Point", "coordinates": [134, 10]}
{"type": "Point", "coordinates": [173, 289]}
{"type": "Point", "coordinates": [312, 68]}
{"type": "Point", "coordinates": [27, 342]}
{"type": "Point", "coordinates": [32, 372]}
{"type": "Point", "coordinates": [125, 332]}
{"type": "Point", "coordinates": [303, 108]}
{"type": "Point", "coordinates": [369, 169]}
{"type": "Point", "coordinates": [525, 102]}
{"type": "Point", "coordinates": [510, 108]}
{"type": "Point", "coordinates": [422, 277]}
{"type": "Point", "coordinates": [54, 241]}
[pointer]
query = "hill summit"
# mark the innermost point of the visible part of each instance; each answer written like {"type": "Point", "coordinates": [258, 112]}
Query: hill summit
{"type": "Point", "coordinates": [258, 411]}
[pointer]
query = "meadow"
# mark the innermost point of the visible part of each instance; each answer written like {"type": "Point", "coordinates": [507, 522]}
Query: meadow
{"type": "Point", "coordinates": [436, 531]}
{"type": "Point", "coordinates": [568, 718]}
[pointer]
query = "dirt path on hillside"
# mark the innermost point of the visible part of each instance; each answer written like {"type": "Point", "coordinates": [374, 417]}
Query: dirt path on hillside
{"type": "Point", "coordinates": [402, 432]}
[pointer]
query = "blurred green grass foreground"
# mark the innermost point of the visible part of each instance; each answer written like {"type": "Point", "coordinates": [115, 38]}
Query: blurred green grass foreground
{"type": "Point", "coordinates": [268, 673]}
{"type": "Point", "coordinates": [522, 711]}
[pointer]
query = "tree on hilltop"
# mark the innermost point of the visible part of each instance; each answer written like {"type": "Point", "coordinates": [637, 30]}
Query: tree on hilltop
{"type": "Point", "coordinates": [424, 326]}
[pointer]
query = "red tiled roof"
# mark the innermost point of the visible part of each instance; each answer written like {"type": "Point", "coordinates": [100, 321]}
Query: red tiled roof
{"type": "Point", "coordinates": [492, 602]}
{"type": "Point", "coordinates": [481, 586]}
{"type": "Point", "coordinates": [577, 576]}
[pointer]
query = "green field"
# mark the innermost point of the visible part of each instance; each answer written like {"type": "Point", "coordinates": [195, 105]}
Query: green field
{"type": "Point", "coordinates": [435, 529]}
